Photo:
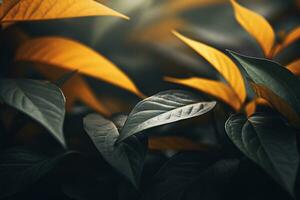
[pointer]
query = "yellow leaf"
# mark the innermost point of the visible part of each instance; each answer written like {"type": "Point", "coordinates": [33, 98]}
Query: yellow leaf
{"type": "Point", "coordinates": [277, 103]}
{"type": "Point", "coordinates": [75, 89]}
{"type": "Point", "coordinates": [223, 64]}
{"type": "Point", "coordinates": [30, 10]}
{"type": "Point", "coordinates": [71, 55]}
{"type": "Point", "coordinates": [174, 143]}
{"type": "Point", "coordinates": [289, 39]}
{"type": "Point", "coordinates": [213, 88]}
{"type": "Point", "coordinates": [294, 67]}
{"type": "Point", "coordinates": [257, 26]}
{"type": "Point", "coordinates": [250, 108]}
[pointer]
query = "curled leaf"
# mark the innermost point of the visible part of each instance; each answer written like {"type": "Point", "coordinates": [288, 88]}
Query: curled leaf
{"type": "Point", "coordinates": [214, 88]}
{"type": "Point", "coordinates": [30, 10]}
{"type": "Point", "coordinates": [256, 25]}
{"type": "Point", "coordinates": [71, 55]}
{"type": "Point", "coordinates": [223, 64]}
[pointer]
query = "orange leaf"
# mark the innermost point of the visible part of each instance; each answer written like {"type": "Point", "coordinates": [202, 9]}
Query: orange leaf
{"type": "Point", "coordinates": [174, 143]}
{"type": "Point", "coordinates": [294, 67]}
{"type": "Point", "coordinates": [256, 25]}
{"type": "Point", "coordinates": [223, 64]}
{"type": "Point", "coordinates": [277, 103]}
{"type": "Point", "coordinates": [30, 10]}
{"type": "Point", "coordinates": [289, 39]}
{"type": "Point", "coordinates": [75, 89]}
{"type": "Point", "coordinates": [71, 55]}
{"type": "Point", "coordinates": [250, 108]}
{"type": "Point", "coordinates": [213, 88]}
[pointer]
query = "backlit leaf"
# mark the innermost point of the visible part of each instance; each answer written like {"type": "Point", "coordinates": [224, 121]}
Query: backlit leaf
{"type": "Point", "coordinates": [256, 25]}
{"type": "Point", "coordinates": [164, 108]}
{"type": "Point", "coordinates": [270, 143]}
{"type": "Point", "coordinates": [291, 37]}
{"type": "Point", "coordinates": [294, 67]}
{"type": "Point", "coordinates": [41, 100]}
{"type": "Point", "coordinates": [29, 10]}
{"type": "Point", "coordinates": [223, 64]}
{"type": "Point", "coordinates": [71, 55]}
{"type": "Point", "coordinates": [214, 88]}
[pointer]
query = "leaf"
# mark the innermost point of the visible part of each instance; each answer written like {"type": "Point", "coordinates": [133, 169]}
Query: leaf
{"type": "Point", "coordinates": [163, 108]}
{"type": "Point", "coordinates": [20, 168]}
{"type": "Point", "coordinates": [42, 101]}
{"type": "Point", "coordinates": [250, 108]}
{"type": "Point", "coordinates": [211, 87]}
{"type": "Point", "coordinates": [256, 25]}
{"type": "Point", "coordinates": [75, 88]}
{"type": "Point", "coordinates": [294, 67]}
{"type": "Point", "coordinates": [71, 55]}
{"type": "Point", "coordinates": [223, 64]}
{"type": "Point", "coordinates": [293, 36]}
{"type": "Point", "coordinates": [269, 142]}
{"type": "Point", "coordinates": [276, 102]}
{"type": "Point", "coordinates": [276, 77]}
{"type": "Point", "coordinates": [29, 10]}
{"type": "Point", "coordinates": [174, 143]}
{"type": "Point", "coordinates": [126, 157]}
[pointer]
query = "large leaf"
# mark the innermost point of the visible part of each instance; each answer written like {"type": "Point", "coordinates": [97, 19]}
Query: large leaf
{"type": "Point", "coordinates": [221, 62]}
{"type": "Point", "coordinates": [214, 88]}
{"type": "Point", "coordinates": [276, 77]}
{"type": "Point", "coordinates": [163, 108]}
{"type": "Point", "coordinates": [41, 100]}
{"type": "Point", "coordinates": [256, 25]}
{"type": "Point", "coordinates": [20, 168]}
{"type": "Point", "coordinates": [29, 10]}
{"type": "Point", "coordinates": [71, 55]}
{"type": "Point", "coordinates": [126, 157]}
{"type": "Point", "coordinates": [269, 142]}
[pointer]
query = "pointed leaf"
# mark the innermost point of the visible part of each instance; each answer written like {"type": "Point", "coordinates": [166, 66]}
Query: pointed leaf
{"type": "Point", "coordinates": [223, 64]}
{"type": "Point", "coordinates": [71, 55]}
{"type": "Point", "coordinates": [20, 168]}
{"type": "Point", "coordinates": [42, 101]}
{"type": "Point", "coordinates": [293, 36]}
{"type": "Point", "coordinates": [127, 157]}
{"type": "Point", "coordinates": [29, 10]}
{"type": "Point", "coordinates": [276, 77]}
{"type": "Point", "coordinates": [211, 87]}
{"type": "Point", "coordinates": [294, 67]}
{"type": "Point", "coordinates": [256, 25]}
{"type": "Point", "coordinates": [269, 142]}
{"type": "Point", "coordinates": [250, 108]}
{"type": "Point", "coordinates": [163, 108]}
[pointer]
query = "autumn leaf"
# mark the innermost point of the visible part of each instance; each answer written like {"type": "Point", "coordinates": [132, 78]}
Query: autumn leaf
{"type": "Point", "coordinates": [277, 103]}
{"type": "Point", "coordinates": [214, 88]}
{"type": "Point", "coordinates": [222, 63]}
{"type": "Point", "coordinates": [31, 10]}
{"type": "Point", "coordinates": [67, 54]}
{"type": "Point", "coordinates": [291, 37]}
{"type": "Point", "coordinates": [250, 108]}
{"type": "Point", "coordinates": [257, 26]}
{"type": "Point", "coordinates": [294, 67]}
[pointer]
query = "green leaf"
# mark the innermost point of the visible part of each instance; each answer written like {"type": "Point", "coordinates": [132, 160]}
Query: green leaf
{"type": "Point", "coordinates": [41, 100]}
{"type": "Point", "coordinates": [163, 108]}
{"type": "Point", "coordinates": [20, 168]}
{"type": "Point", "coordinates": [276, 77]}
{"type": "Point", "coordinates": [269, 142]}
{"type": "Point", "coordinates": [126, 157]}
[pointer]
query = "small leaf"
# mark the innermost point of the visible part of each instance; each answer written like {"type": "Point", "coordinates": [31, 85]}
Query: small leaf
{"type": "Point", "coordinates": [293, 36]}
{"type": "Point", "coordinates": [269, 142]}
{"type": "Point", "coordinates": [250, 108]}
{"type": "Point", "coordinates": [294, 67]}
{"type": "Point", "coordinates": [126, 157]}
{"type": "Point", "coordinates": [223, 64]}
{"type": "Point", "coordinates": [20, 168]}
{"type": "Point", "coordinates": [211, 87]}
{"type": "Point", "coordinates": [256, 25]}
{"type": "Point", "coordinates": [276, 77]}
{"type": "Point", "coordinates": [276, 102]}
{"type": "Point", "coordinates": [28, 10]}
{"type": "Point", "coordinates": [71, 55]}
{"type": "Point", "coordinates": [163, 108]}
{"type": "Point", "coordinates": [42, 101]}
